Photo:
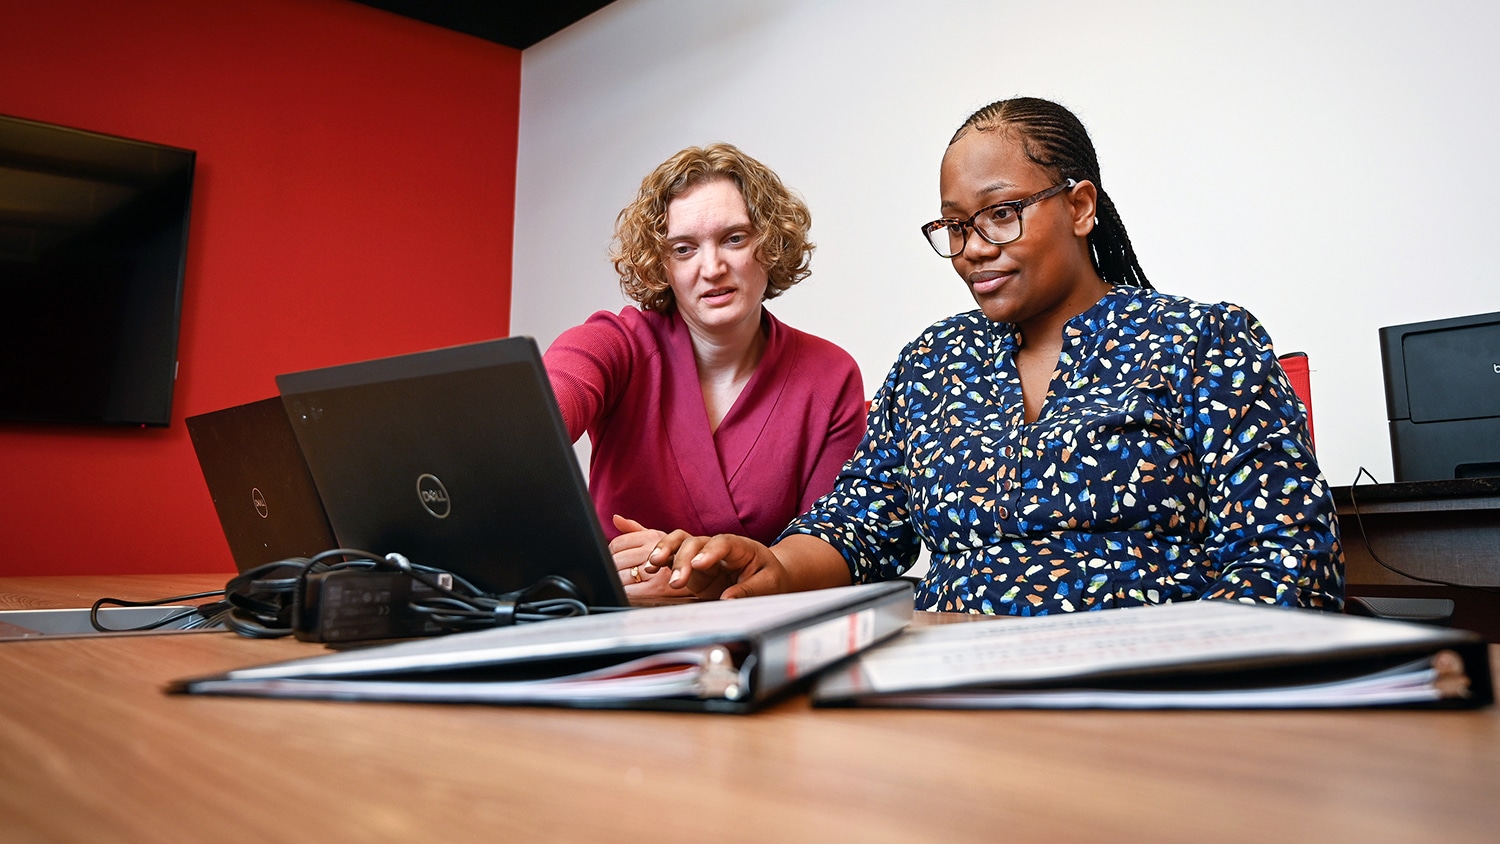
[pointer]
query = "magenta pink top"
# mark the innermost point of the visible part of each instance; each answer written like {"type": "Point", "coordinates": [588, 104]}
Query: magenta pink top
{"type": "Point", "coordinates": [630, 380]}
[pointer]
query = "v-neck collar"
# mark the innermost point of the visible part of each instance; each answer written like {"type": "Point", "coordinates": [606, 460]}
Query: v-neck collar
{"type": "Point", "coordinates": [708, 460]}
{"type": "Point", "coordinates": [1078, 333]}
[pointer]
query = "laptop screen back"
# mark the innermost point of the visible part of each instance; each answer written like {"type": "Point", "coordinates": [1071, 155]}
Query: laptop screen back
{"type": "Point", "coordinates": [456, 458]}
{"type": "Point", "coordinates": [265, 497]}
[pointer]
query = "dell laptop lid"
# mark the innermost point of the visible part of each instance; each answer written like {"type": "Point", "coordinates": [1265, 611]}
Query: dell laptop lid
{"type": "Point", "coordinates": [456, 458]}
{"type": "Point", "coordinates": [264, 494]}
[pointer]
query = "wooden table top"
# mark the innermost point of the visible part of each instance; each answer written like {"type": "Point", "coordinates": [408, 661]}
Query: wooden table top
{"type": "Point", "coordinates": [91, 749]}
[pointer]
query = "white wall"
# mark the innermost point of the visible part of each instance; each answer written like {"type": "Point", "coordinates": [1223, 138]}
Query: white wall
{"type": "Point", "coordinates": [1328, 165]}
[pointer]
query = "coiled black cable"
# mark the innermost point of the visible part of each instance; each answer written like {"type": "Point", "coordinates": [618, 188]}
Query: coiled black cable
{"type": "Point", "coordinates": [262, 602]}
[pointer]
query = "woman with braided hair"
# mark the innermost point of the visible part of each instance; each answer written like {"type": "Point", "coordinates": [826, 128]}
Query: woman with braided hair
{"type": "Point", "coordinates": [1079, 442]}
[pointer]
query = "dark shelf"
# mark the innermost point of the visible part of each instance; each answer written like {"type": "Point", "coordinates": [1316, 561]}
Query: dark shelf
{"type": "Point", "coordinates": [1422, 494]}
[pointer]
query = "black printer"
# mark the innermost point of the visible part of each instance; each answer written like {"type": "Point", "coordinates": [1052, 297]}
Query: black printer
{"type": "Point", "coordinates": [1442, 396]}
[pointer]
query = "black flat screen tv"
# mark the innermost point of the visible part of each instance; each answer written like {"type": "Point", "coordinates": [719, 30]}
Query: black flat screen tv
{"type": "Point", "coordinates": [93, 241]}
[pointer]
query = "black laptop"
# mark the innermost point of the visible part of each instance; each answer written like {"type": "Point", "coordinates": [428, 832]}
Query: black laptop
{"type": "Point", "coordinates": [456, 458]}
{"type": "Point", "coordinates": [262, 490]}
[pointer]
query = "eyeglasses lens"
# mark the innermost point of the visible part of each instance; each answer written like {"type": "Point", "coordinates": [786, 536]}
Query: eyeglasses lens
{"type": "Point", "coordinates": [947, 240]}
{"type": "Point", "coordinates": [999, 225]}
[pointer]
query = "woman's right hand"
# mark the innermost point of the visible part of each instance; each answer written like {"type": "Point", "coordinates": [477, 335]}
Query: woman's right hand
{"type": "Point", "coordinates": [630, 549]}
{"type": "Point", "coordinates": [724, 566]}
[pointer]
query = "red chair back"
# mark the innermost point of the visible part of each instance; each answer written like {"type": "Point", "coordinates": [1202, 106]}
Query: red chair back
{"type": "Point", "coordinates": [1295, 365]}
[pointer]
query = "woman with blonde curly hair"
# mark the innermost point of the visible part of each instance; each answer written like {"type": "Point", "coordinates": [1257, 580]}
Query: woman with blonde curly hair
{"type": "Point", "coordinates": [705, 412]}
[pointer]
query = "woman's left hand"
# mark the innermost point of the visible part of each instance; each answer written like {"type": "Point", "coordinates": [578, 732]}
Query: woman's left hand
{"type": "Point", "coordinates": [630, 550]}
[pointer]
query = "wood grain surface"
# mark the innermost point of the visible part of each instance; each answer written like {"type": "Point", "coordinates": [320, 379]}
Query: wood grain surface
{"type": "Point", "coordinates": [91, 749]}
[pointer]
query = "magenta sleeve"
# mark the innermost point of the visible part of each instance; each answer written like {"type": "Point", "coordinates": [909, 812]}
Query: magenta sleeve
{"type": "Point", "coordinates": [589, 365]}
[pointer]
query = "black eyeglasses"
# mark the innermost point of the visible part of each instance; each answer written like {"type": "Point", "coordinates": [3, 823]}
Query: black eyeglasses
{"type": "Point", "coordinates": [998, 224]}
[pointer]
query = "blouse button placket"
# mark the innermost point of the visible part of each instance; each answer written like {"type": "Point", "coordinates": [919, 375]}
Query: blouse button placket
{"type": "Point", "coordinates": [1007, 466]}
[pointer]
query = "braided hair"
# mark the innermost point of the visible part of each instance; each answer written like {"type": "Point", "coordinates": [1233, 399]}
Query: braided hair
{"type": "Point", "coordinates": [1052, 137]}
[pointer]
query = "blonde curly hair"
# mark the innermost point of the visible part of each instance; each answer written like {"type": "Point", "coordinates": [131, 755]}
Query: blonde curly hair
{"type": "Point", "coordinates": [780, 219]}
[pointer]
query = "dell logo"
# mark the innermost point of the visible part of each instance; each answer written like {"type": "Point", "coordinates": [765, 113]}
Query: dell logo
{"type": "Point", "coordinates": [433, 495]}
{"type": "Point", "coordinates": [260, 503]}
{"type": "Point", "coordinates": [1497, 369]}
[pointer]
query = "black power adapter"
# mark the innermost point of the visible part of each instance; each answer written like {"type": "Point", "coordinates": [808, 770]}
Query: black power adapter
{"type": "Point", "coordinates": [360, 604]}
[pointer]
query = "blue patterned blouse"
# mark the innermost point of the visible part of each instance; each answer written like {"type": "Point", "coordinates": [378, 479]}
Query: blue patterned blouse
{"type": "Point", "coordinates": [1170, 462]}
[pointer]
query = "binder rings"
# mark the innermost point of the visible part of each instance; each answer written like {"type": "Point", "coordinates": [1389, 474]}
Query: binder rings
{"type": "Point", "coordinates": [722, 656]}
{"type": "Point", "coordinates": [1192, 655]}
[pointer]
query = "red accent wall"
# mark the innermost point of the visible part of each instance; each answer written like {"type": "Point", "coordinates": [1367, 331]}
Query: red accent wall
{"type": "Point", "coordinates": [354, 198]}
